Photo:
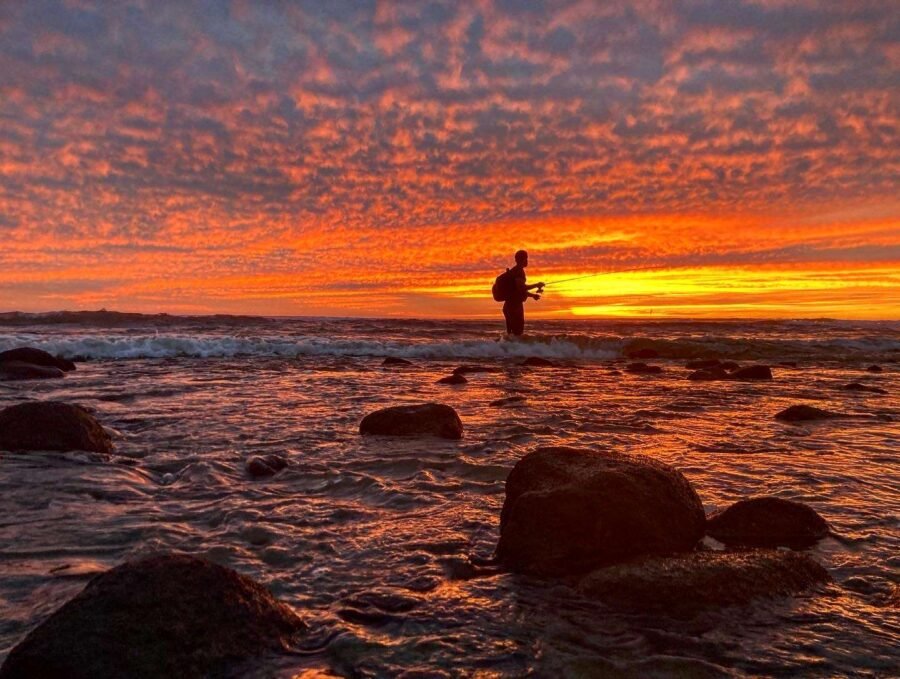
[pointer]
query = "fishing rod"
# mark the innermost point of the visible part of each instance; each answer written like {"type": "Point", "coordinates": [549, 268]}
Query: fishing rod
{"type": "Point", "coordinates": [606, 273]}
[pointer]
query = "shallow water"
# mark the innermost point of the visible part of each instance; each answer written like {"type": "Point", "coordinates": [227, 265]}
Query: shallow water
{"type": "Point", "coordinates": [356, 523]}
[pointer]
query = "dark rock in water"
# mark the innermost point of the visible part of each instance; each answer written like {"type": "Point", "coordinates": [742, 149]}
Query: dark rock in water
{"type": "Point", "coordinates": [538, 362]}
{"type": "Point", "coordinates": [767, 522]}
{"type": "Point", "coordinates": [18, 370]}
{"type": "Point", "coordinates": [391, 360]}
{"type": "Point", "coordinates": [803, 413]}
{"type": "Point", "coordinates": [568, 510]}
{"type": "Point", "coordinates": [856, 386]}
{"type": "Point", "coordinates": [36, 357]}
{"type": "Point", "coordinates": [709, 374]}
{"type": "Point", "coordinates": [427, 418]}
{"type": "Point", "coordinates": [466, 369]}
{"type": "Point", "coordinates": [455, 378]}
{"type": "Point", "coordinates": [703, 363]}
{"type": "Point", "coordinates": [164, 616]}
{"type": "Point", "coordinates": [646, 352]}
{"type": "Point", "coordinates": [509, 400]}
{"type": "Point", "coordinates": [51, 425]}
{"type": "Point", "coordinates": [683, 585]}
{"type": "Point", "coordinates": [752, 372]}
{"type": "Point", "coordinates": [643, 369]}
{"type": "Point", "coordinates": [874, 369]}
{"type": "Point", "coordinates": [729, 365]}
{"type": "Point", "coordinates": [265, 465]}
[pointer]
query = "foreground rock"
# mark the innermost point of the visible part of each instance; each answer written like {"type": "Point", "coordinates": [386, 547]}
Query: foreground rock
{"type": "Point", "coordinates": [752, 372]}
{"type": "Point", "coordinates": [856, 386]}
{"type": "Point", "coordinates": [18, 370]}
{"type": "Point", "coordinates": [391, 360]}
{"type": "Point", "coordinates": [428, 418]}
{"type": "Point", "coordinates": [455, 378]}
{"type": "Point", "coordinates": [165, 616]}
{"type": "Point", "coordinates": [568, 510]}
{"type": "Point", "coordinates": [643, 369]}
{"type": "Point", "coordinates": [683, 585]}
{"type": "Point", "coordinates": [767, 522]}
{"type": "Point", "coordinates": [51, 425]}
{"type": "Point", "coordinates": [36, 357]}
{"type": "Point", "coordinates": [804, 413]}
{"type": "Point", "coordinates": [538, 362]}
{"type": "Point", "coordinates": [265, 465]}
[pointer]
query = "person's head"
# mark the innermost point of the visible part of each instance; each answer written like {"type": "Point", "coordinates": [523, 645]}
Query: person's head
{"type": "Point", "coordinates": [522, 258]}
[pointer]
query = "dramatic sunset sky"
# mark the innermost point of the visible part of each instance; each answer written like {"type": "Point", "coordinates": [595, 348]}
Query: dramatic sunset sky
{"type": "Point", "coordinates": [387, 158]}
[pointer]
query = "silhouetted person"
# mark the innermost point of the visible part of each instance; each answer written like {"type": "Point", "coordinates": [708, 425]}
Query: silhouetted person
{"type": "Point", "coordinates": [514, 306]}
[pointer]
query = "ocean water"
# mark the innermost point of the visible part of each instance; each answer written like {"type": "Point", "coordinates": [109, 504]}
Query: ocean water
{"type": "Point", "coordinates": [357, 519]}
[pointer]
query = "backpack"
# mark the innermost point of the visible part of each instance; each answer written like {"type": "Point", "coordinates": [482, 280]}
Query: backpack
{"type": "Point", "coordinates": [503, 287]}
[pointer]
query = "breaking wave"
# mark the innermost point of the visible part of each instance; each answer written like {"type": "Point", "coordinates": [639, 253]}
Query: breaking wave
{"type": "Point", "coordinates": [572, 347]}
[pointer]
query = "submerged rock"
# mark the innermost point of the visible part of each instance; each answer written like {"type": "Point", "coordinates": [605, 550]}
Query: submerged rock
{"type": "Point", "coordinates": [509, 400]}
{"type": "Point", "coordinates": [646, 352]}
{"type": "Point", "coordinates": [36, 357]}
{"type": "Point", "coordinates": [466, 369]}
{"type": "Point", "coordinates": [164, 616]}
{"type": "Point", "coordinates": [803, 413]}
{"type": "Point", "coordinates": [51, 425]}
{"type": "Point", "coordinates": [703, 363]}
{"type": "Point", "coordinates": [392, 360]}
{"type": "Point", "coordinates": [455, 378]}
{"type": "Point", "coordinates": [684, 585]}
{"type": "Point", "coordinates": [427, 418]}
{"type": "Point", "coordinates": [709, 374]}
{"type": "Point", "coordinates": [874, 369]}
{"type": "Point", "coordinates": [18, 370]}
{"type": "Point", "coordinates": [538, 362]}
{"type": "Point", "coordinates": [767, 522]}
{"type": "Point", "coordinates": [568, 510]}
{"type": "Point", "coordinates": [643, 369]}
{"type": "Point", "coordinates": [856, 386]}
{"type": "Point", "coordinates": [752, 372]}
{"type": "Point", "coordinates": [265, 465]}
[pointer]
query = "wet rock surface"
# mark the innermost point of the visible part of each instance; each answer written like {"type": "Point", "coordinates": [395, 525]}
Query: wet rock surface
{"type": "Point", "coordinates": [875, 369]}
{"type": "Point", "coordinates": [265, 465]}
{"type": "Point", "coordinates": [428, 418]}
{"type": "Point", "coordinates": [538, 362]}
{"type": "Point", "coordinates": [36, 357]}
{"type": "Point", "coordinates": [568, 510]}
{"type": "Point", "coordinates": [805, 413]}
{"type": "Point", "coordinates": [18, 370]}
{"type": "Point", "coordinates": [752, 372]}
{"type": "Point", "coordinates": [164, 616]}
{"type": "Point", "coordinates": [392, 360]}
{"type": "Point", "coordinates": [684, 585]}
{"type": "Point", "coordinates": [767, 522]}
{"type": "Point", "coordinates": [643, 369]}
{"type": "Point", "coordinates": [455, 378]}
{"type": "Point", "coordinates": [857, 386]}
{"type": "Point", "coordinates": [51, 425]}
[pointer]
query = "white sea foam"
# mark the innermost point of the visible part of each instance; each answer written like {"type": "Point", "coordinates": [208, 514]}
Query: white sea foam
{"type": "Point", "coordinates": [564, 347]}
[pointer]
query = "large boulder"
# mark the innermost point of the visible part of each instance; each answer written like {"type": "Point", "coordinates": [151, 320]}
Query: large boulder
{"type": "Point", "coordinates": [685, 584]}
{"type": "Point", "coordinates": [805, 413]}
{"type": "Point", "coordinates": [568, 510]}
{"type": "Point", "coordinates": [427, 418]}
{"type": "Point", "coordinates": [752, 372]}
{"type": "Point", "coordinates": [36, 357]}
{"type": "Point", "coordinates": [767, 522]}
{"type": "Point", "coordinates": [51, 425]}
{"type": "Point", "coordinates": [19, 370]}
{"type": "Point", "coordinates": [164, 616]}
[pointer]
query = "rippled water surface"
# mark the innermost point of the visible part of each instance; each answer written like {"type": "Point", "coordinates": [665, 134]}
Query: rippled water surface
{"type": "Point", "coordinates": [373, 540]}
